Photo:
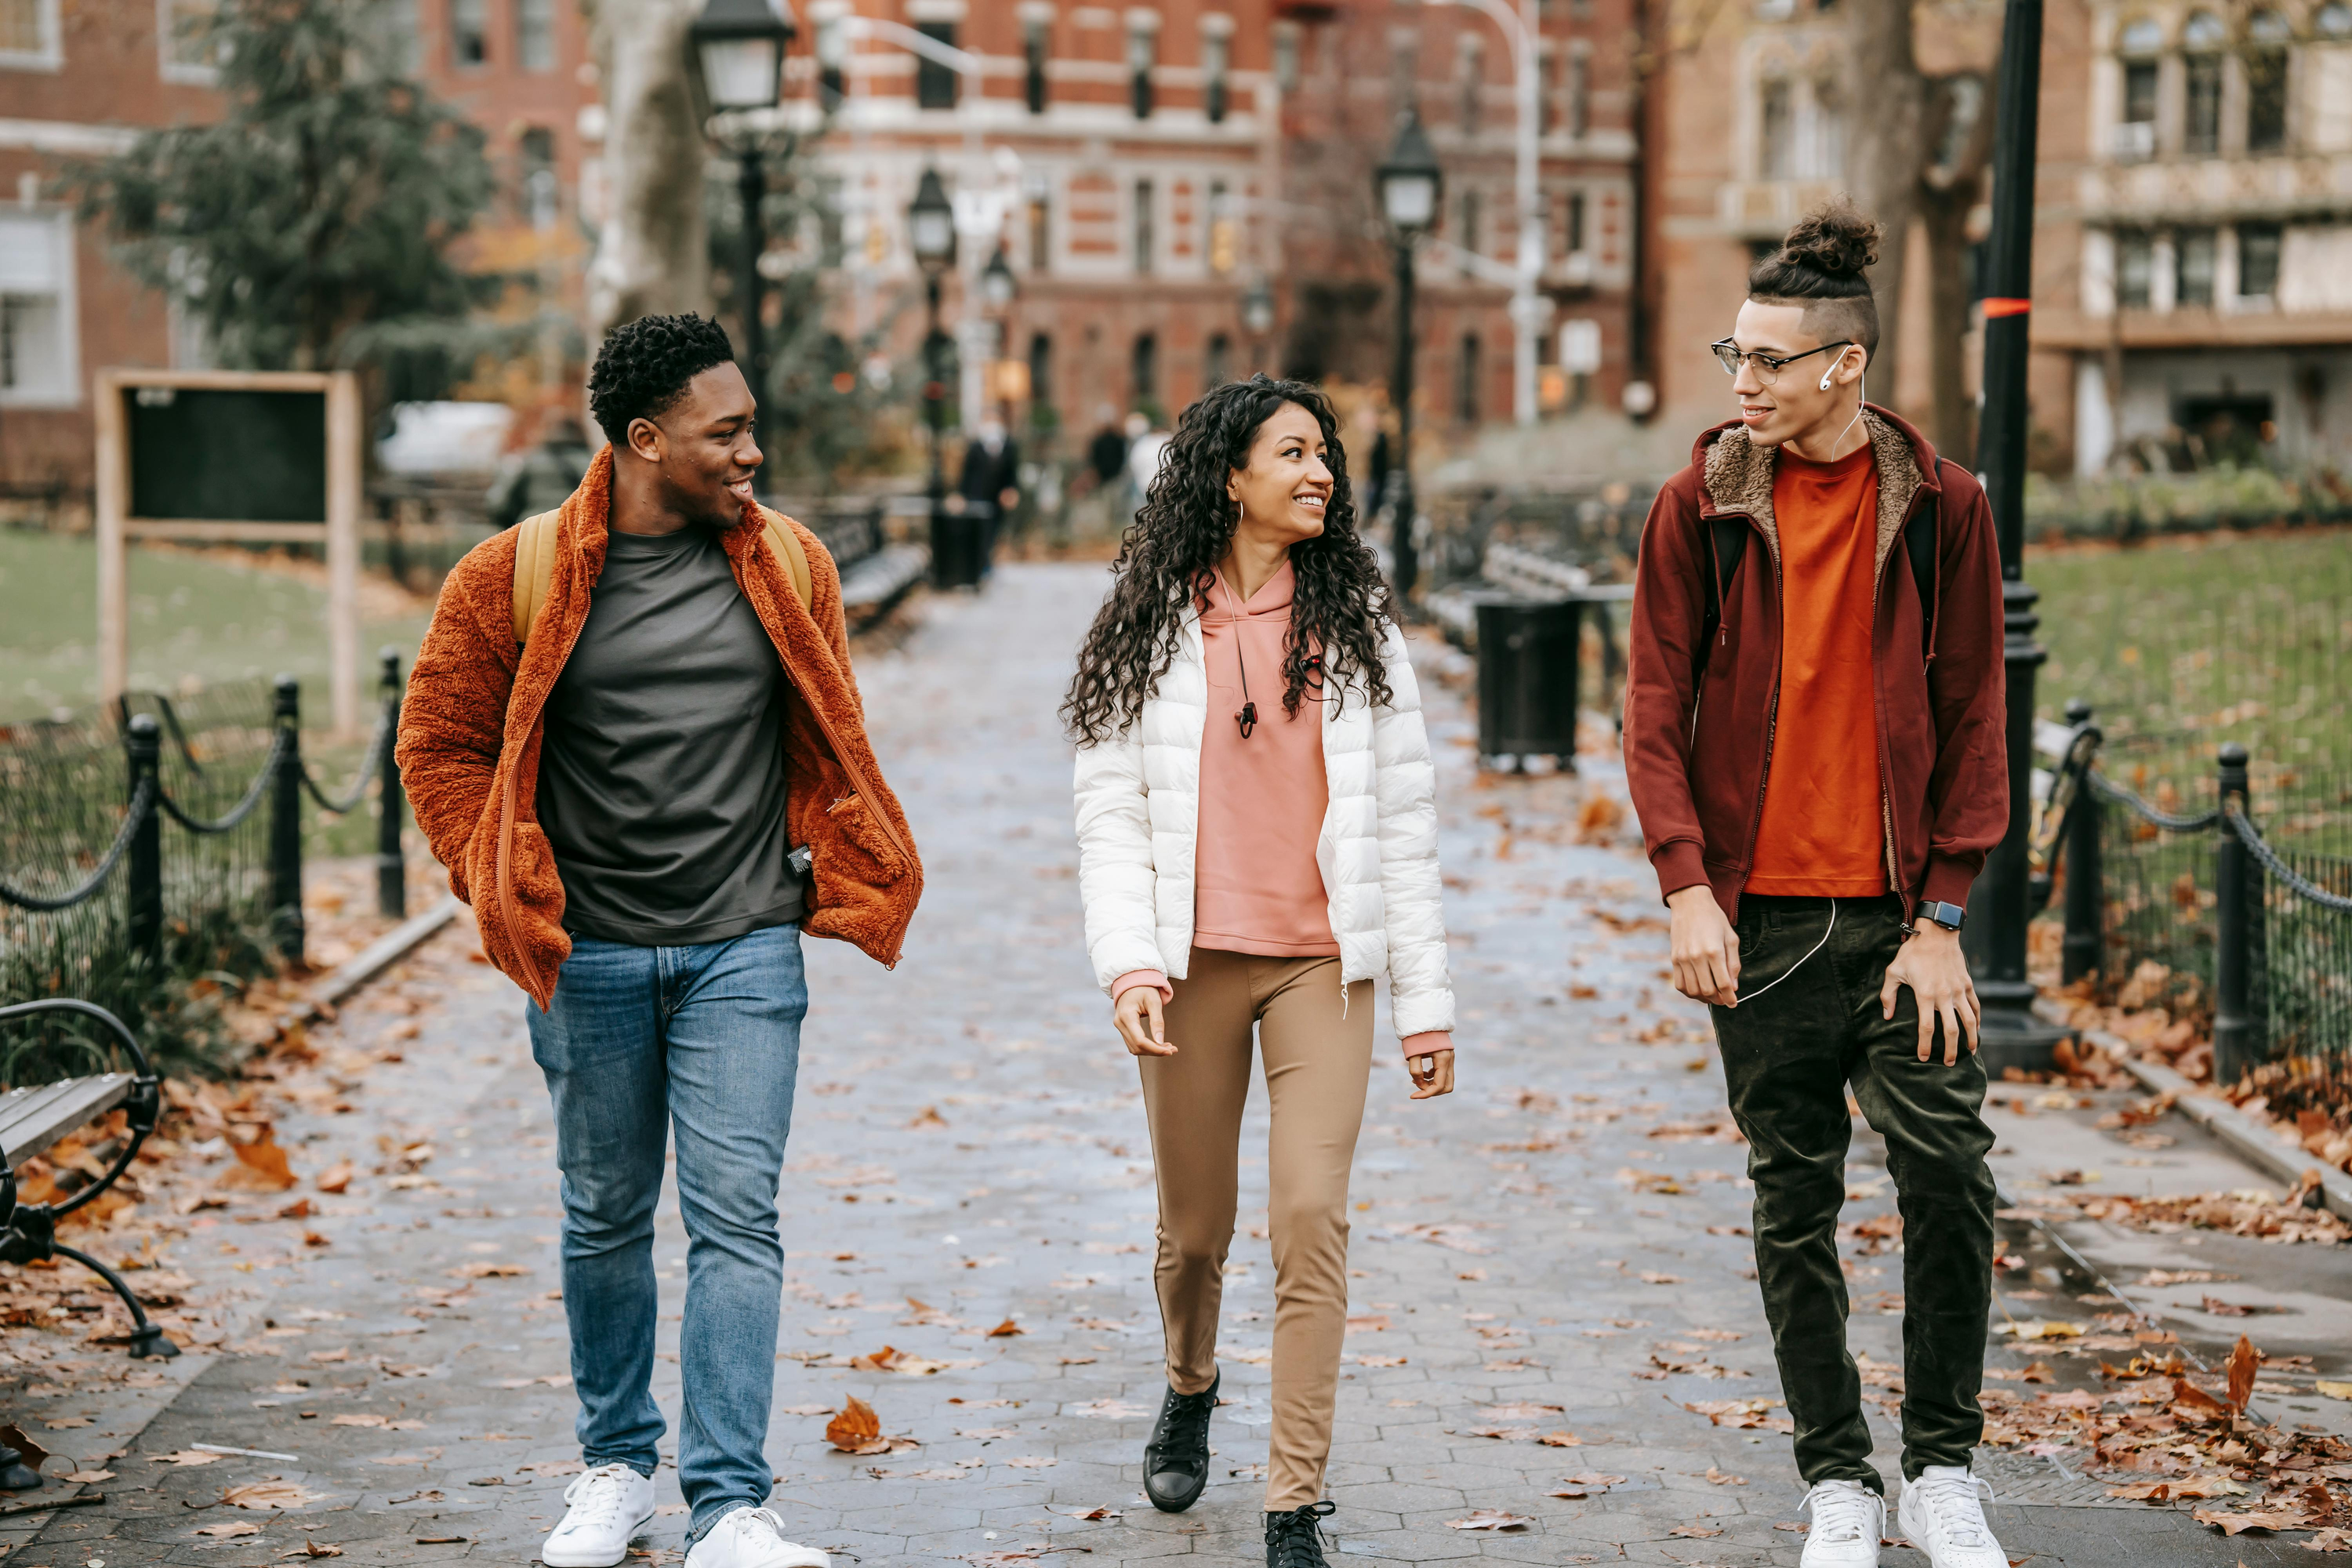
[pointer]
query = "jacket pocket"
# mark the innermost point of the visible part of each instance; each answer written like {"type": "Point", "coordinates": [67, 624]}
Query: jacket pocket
{"type": "Point", "coordinates": [860, 832]}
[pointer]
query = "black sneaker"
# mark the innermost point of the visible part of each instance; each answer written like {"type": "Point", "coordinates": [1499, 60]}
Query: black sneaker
{"type": "Point", "coordinates": [1176, 1461]}
{"type": "Point", "coordinates": [1294, 1541]}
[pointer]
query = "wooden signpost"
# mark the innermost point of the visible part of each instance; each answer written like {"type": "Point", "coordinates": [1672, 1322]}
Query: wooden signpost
{"type": "Point", "coordinates": [230, 455]}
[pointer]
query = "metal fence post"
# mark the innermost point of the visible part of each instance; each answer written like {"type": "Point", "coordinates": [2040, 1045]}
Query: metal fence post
{"type": "Point", "coordinates": [142, 743]}
{"type": "Point", "coordinates": [391, 804]}
{"type": "Point", "coordinates": [2084, 951]}
{"type": "Point", "coordinates": [2237, 1042]}
{"type": "Point", "coordinates": [286, 824]}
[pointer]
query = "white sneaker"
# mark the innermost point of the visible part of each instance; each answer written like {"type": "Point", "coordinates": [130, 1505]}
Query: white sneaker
{"type": "Point", "coordinates": [1848, 1520]}
{"type": "Point", "coordinates": [754, 1538]}
{"type": "Point", "coordinates": [609, 1504]}
{"type": "Point", "coordinates": [1941, 1517]}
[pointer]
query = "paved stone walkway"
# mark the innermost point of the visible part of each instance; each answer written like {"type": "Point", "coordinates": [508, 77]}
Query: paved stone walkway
{"type": "Point", "coordinates": [1548, 1268]}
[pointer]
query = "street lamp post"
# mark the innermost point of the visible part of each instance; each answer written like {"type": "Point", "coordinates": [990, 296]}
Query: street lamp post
{"type": "Point", "coordinates": [738, 47]}
{"type": "Point", "coordinates": [1995, 940]}
{"type": "Point", "coordinates": [931, 232]}
{"type": "Point", "coordinates": [1408, 183]}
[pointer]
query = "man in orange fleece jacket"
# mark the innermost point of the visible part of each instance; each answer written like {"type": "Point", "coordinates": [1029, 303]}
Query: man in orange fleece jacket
{"type": "Point", "coordinates": [619, 797]}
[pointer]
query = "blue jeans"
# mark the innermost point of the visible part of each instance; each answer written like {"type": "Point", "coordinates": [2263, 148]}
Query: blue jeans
{"type": "Point", "coordinates": [706, 1039]}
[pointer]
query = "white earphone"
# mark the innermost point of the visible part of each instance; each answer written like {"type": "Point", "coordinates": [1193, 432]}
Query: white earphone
{"type": "Point", "coordinates": [1825, 378]}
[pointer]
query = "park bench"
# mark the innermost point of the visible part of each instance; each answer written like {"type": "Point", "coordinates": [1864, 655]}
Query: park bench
{"type": "Point", "coordinates": [33, 1118]}
{"type": "Point", "coordinates": [875, 574]}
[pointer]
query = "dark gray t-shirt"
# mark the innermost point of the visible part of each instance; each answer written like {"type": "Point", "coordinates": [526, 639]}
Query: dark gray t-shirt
{"type": "Point", "coordinates": [661, 780]}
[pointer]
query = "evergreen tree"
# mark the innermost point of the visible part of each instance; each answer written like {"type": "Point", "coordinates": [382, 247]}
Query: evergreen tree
{"type": "Point", "coordinates": [310, 227]}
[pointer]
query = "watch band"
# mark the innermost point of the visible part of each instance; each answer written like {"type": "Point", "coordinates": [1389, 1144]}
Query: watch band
{"type": "Point", "coordinates": [1950, 916]}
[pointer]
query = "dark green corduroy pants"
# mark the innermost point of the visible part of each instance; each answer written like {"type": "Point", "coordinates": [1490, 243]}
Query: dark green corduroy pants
{"type": "Point", "coordinates": [1788, 1057]}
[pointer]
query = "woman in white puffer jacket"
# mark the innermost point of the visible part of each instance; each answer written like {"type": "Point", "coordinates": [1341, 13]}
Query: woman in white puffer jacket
{"type": "Point", "coordinates": [1256, 862]}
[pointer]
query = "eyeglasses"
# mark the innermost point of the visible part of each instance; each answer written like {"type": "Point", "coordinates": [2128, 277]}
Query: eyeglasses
{"type": "Point", "coordinates": [1768, 367]}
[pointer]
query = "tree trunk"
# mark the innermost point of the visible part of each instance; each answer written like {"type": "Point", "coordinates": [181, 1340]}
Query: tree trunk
{"type": "Point", "coordinates": [652, 257]}
{"type": "Point", "coordinates": [1951, 411]}
{"type": "Point", "coordinates": [1885, 119]}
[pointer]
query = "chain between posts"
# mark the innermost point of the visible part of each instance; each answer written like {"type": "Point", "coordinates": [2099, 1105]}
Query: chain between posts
{"type": "Point", "coordinates": [2195, 822]}
{"type": "Point", "coordinates": [142, 800]}
{"type": "Point", "coordinates": [2292, 879]}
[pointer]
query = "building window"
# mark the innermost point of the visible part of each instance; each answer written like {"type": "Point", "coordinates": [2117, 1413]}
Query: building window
{"type": "Point", "coordinates": [2258, 260]}
{"type": "Point", "coordinates": [2202, 120]}
{"type": "Point", "coordinates": [1143, 371]}
{"type": "Point", "coordinates": [1143, 235]}
{"type": "Point", "coordinates": [1575, 214]}
{"type": "Point", "coordinates": [2135, 268]}
{"type": "Point", "coordinates": [29, 36]}
{"type": "Point", "coordinates": [1577, 93]}
{"type": "Point", "coordinates": [1216, 65]}
{"type": "Point", "coordinates": [1470, 79]}
{"type": "Point", "coordinates": [2265, 63]}
{"type": "Point", "coordinates": [469, 33]}
{"type": "Point", "coordinates": [1776, 130]}
{"type": "Point", "coordinates": [1041, 370]}
{"type": "Point", "coordinates": [1466, 371]}
{"type": "Point", "coordinates": [534, 22]}
{"type": "Point", "coordinates": [1285, 56]}
{"type": "Point", "coordinates": [1142, 54]}
{"type": "Point", "coordinates": [1041, 230]}
{"type": "Point", "coordinates": [832, 244]}
{"type": "Point", "coordinates": [1036, 44]}
{"type": "Point", "coordinates": [1217, 368]}
{"type": "Point", "coordinates": [935, 84]}
{"type": "Point", "coordinates": [1548, 93]}
{"type": "Point", "coordinates": [38, 356]}
{"type": "Point", "coordinates": [184, 47]}
{"type": "Point", "coordinates": [1224, 229]}
{"type": "Point", "coordinates": [540, 196]}
{"type": "Point", "coordinates": [2194, 253]}
{"type": "Point", "coordinates": [1472, 227]}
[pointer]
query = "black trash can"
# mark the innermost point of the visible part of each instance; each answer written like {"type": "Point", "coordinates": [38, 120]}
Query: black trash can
{"type": "Point", "coordinates": [958, 550]}
{"type": "Point", "coordinates": [1528, 680]}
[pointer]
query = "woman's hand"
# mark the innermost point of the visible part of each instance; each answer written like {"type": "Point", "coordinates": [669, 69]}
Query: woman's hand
{"type": "Point", "coordinates": [1137, 1014]}
{"type": "Point", "coordinates": [1433, 1073]}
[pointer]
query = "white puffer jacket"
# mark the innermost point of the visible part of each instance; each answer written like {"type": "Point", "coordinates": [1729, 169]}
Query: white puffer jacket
{"type": "Point", "coordinates": [1139, 807]}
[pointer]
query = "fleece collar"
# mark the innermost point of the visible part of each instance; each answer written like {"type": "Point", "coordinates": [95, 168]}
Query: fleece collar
{"type": "Point", "coordinates": [1738, 476]}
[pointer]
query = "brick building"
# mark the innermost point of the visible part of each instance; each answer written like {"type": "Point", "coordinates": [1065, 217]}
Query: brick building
{"type": "Point", "coordinates": [80, 77]}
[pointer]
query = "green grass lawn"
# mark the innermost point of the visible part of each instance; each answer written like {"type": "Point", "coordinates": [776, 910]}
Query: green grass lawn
{"type": "Point", "coordinates": [2185, 643]}
{"type": "Point", "coordinates": [195, 622]}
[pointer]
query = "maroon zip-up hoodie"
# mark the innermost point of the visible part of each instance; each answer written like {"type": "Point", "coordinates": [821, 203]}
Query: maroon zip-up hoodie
{"type": "Point", "coordinates": [1698, 748]}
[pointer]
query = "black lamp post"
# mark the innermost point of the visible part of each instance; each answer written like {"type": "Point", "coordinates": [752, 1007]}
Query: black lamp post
{"type": "Point", "coordinates": [1408, 183]}
{"type": "Point", "coordinates": [739, 48]}
{"type": "Point", "coordinates": [930, 231]}
{"type": "Point", "coordinates": [1995, 934]}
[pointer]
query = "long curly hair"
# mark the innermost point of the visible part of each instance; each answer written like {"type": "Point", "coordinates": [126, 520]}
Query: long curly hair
{"type": "Point", "coordinates": [1169, 558]}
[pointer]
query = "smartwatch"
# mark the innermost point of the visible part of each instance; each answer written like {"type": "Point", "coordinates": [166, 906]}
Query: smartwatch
{"type": "Point", "coordinates": [1950, 916]}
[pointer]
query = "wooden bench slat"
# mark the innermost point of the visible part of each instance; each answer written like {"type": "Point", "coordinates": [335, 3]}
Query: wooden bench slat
{"type": "Point", "coordinates": [48, 1113]}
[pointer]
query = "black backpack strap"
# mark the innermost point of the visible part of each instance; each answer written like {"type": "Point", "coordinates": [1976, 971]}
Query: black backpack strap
{"type": "Point", "coordinates": [1920, 543]}
{"type": "Point", "coordinates": [1726, 542]}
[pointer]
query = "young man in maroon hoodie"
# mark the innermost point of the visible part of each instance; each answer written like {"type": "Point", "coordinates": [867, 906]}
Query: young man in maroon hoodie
{"type": "Point", "coordinates": [1813, 741]}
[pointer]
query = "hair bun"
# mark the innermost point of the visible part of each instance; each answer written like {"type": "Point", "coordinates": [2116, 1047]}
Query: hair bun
{"type": "Point", "coordinates": [1836, 239]}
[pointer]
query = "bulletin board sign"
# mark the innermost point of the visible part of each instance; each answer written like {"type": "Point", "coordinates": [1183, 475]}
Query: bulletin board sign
{"type": "Point", "coordinates": [253, 457]}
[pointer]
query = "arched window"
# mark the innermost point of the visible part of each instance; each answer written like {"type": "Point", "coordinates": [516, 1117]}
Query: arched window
{"type": "Point", "coordinates": [2267, 34]}
{"type": "Point", "coordinates": [2333, 20]}
{"type": "Point", "coordinates": [2141, 43]}
{"type": "Point", "coordinates": [2202, 42]}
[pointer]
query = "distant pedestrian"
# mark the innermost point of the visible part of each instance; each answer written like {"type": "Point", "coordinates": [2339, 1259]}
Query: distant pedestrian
{"type": "Point", "coordinates": [1247, 726]}
{"type": "Point", "coordinates": [538, 477]}
{"type": "Point", "coordinates": [648, 791]}
{"type": "Point", "coordinates": [1814, 741]}
{"type": "Point", "coordinates": [1106, 453]}
{"type": "Point", "coordinates": [989, 484]}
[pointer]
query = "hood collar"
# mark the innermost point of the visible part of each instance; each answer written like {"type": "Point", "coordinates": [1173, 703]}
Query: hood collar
{"type": "Point", "coordinates": [1735, 476]}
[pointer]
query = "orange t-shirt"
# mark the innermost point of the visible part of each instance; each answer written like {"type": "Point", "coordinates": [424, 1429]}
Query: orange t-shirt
{"type": "Point", "coordinates": [1824, 833]}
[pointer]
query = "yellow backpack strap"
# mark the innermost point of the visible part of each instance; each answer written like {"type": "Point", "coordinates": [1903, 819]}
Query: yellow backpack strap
{"type": "Point", "coordinates": [785, 545]}
{"type": "Point", "coordinates": [534, 570]}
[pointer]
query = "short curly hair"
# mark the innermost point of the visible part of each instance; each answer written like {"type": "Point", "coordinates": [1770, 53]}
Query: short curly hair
{"type": "Point", "coordinates": [643, 367]}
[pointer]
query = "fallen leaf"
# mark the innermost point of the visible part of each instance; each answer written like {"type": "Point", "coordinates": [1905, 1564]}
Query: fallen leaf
{"type": "Point", "coordinates": [231, 1530]}
{"type": "Point", "coordinates": [487, 1271]}
{"type": "Point", "coordinates": [261, 1166]}
{"type": "Point", "coordinates": [1719, 1478]}
{"type": "Point", "coordinates": [187, 1458]}
{"type": "Point", "coordinates": [360, 1420]}
{"type": "Point", "coordinates": [1378, 1360]}
{"type": "Point", "coordinates": [857, 1430]}
{"type": "Point", "coordinates": [1006, 1330]}
{"type": "Point", "coordinates": [1489, 1519]}
{"type": "Point", "coordinates": [550, 1467]}
{"type": "Point", "coordinates": [1652, 1276]}
{"type": "Point", "coordinates": [2238, 1523]}
{"type": "Point", "coordinates": [1032, 1462]}
{"type": "Point", "coordinates": [2329, 1540]}
{"type": "Point", "coordinates": [931, 1117]}
{"type": "Point", "coordinates": [2241, 1366]}
{"type": "Point", "coordinates": [269, 1494]}
{"type": "Point", "coordinates": [312, 1549]}
{"type": "Point", "coordinates": [1695, 1531]}
{"type": "Point", "coordinates": [2052, 1329]}
{"type": "Point", "coordinates": [805, 1410]}
{"type": "Point", "coordinates": [341, 1353]}
{"type": "Point", "coordinates": [2334, 1390]}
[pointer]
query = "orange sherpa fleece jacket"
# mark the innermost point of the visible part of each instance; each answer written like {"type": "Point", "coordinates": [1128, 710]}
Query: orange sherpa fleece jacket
{"type": "Point", "coordinates": [470, 733]}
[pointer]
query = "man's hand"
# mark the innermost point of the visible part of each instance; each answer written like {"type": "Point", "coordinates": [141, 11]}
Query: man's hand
{"type": "Point", "coordinates": [1930, 964]}
{"type": "Point", "coordinates": [1137, 1014]}
{"type": "Point", "coordinates": [1706, 947]}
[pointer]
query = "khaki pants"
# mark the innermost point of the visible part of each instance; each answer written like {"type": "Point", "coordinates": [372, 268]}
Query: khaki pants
{"type": "Point", "coordinates": [1317, 1064]}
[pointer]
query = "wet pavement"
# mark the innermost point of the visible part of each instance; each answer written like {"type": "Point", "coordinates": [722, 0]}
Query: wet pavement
{"type": "Point", "coordinates": [1548, 1270]}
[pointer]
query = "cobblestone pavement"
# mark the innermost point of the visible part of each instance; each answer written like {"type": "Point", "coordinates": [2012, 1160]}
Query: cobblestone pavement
{"type": "Point", "coordinates": [1550, 1269]}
